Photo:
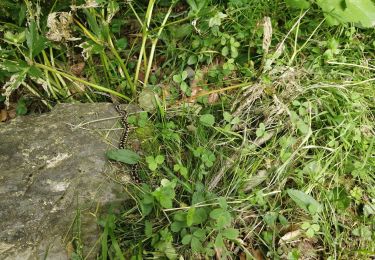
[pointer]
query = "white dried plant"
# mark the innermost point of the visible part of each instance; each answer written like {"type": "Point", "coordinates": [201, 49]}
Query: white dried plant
{"type": "Point", "coordinates": [12, 84]}
{"type": "Point", "coordinates": [58, 24]}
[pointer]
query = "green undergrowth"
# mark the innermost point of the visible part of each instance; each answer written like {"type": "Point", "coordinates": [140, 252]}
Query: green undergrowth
{"type": "Point", "coordinates": [257, 122]}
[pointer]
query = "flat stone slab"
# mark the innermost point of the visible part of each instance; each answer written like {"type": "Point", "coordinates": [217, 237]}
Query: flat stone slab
{"type": "Point", "coordinates": [53, 171]}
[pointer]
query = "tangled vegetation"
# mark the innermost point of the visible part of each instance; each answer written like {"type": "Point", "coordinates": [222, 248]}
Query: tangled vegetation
{"type": "Point", "coordinates": [257, 129]}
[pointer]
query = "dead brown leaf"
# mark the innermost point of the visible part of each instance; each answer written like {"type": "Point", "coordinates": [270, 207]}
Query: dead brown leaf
{"type": "Point", "coordinates": [77, 68]}
{"type": "Point", "coordinates": [213, 98]}
{"type": "Point", "coordinates": [12, 111]}
{"type": "Point", "coordinates": [257, 254]}
{"type": "Point", "coordinates": [3, 115]}
{"type": "Point", "coordinates": [69, 249]}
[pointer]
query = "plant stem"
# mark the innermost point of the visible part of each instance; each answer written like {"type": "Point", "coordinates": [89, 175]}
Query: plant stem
{"type": "Point", "coordinates": [154, 42]}
{"type": "Point", "coordinates": [74, 78]}
{"type": "Point", "coordinates": [145, 30]}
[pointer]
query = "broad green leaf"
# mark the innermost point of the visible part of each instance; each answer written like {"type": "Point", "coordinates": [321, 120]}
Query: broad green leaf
{"type": "Point", "coordinates": [181, 31]}
{"type": "Point", "coordinates": [184, 87]}
{"type": "Point", "coordinates": [310, 233]}
{"type": "Point", "coordinates": [369, 209]}
{"type": "Point", "coordinates": [305, 225]}
{"type": "Point", "coordinates": [148, 228]}
{"type": "Point", "coordinates": [91, 20]}
{"type": "Point", "coordinates": [146, 208]}
{"type": "Point", "coordinates": [227, 117]}
{"type": "Point", "coordinates": [196, 6]}
{"type": "Point", "coordinates": [196, 245]}
{"type": "Point", "coordinates": [180, 216]}
{"type": "Point", "coordinates": [177, 78]}
{"type": "Point", "coordinates": [225, 51]}
{"type": "Point", "coordinates": [216, 20]}
{"type": "Point", "coordinates": [184, 171]}
{"type": "Point", "coordinates": [222, 217]}
{"type": "Point", "coordinates": [360, 12]}
{"type": "Point", "coordinates": [159, 159]}
{"type": "Point", "coordinates": [123, 155]}
{"type": "Point", "coordinates": [184, 75]}
{"type": "Point", "coordinates": [219, 241]}
{"type": "Point", "coordinates": [35, 72]}
{"type": "Point", "coordinates": [190, 216]}
{"type": "Point", "coordinates": [222, 202]}
{"type": "Point", "coordinates": [315, 227]}
{"type": "Point", "coordinates": [200, 234]}
{"type": "Point", "coordinates": [304, 200]}
{"type": "Point", "coordinates": [165, 193]}
{"type": "Point", "coordinates": [13, 66]}
{"type": "Point", "coordinates": [216, 213]}
{"type": "Point", "coordinates": [233, 52]}
{"type": "Point", "coordinates": [303, 127]}
{"type": "Point", "coordinates": [122, 43]}
{"type": "Point", "coordinates": [35, 42]}
{"type": "Point", "coordinates": [197, 197]}
{"type": "Point", "coordinates": [112, 8]}
{"type": "Point", "coordinates": [298, 4]}
{"type": "Point", "coordinates": [21, 108]}
{"type": "Point", "coordinates": [200, 216]}
{"type": "Point", "coordinates": [207, 119]}
{"type": "Point", "coordinates": [16, 38]}
{"type": "Point", "coordinates": [186, 239]}
{"type": "Point", "coordinates": [230, 233]}
{"type": "Point", "coordinates": [261, 130]}
{"type": "Point", "coordinates": [192, 59]}
{"type": "Point", "coordinates": [339, 198]}
{"type": "Point", "coordinates": [176, 226]}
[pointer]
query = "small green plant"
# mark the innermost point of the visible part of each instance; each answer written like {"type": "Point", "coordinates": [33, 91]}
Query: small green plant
{"type": "Point", "coordinates": [154, 162]}
{"type": "Point", "coordinates": [361, 12]}
{"type": "Point", "coordinates": [207, 120]}
{"type": "Point", "coordinates": [310, 229]}
{"type": "Point", "coordinates": [261, 131]}
{"type": "Point", "coordinates": [181, 169]}
{"type": "Point", "coordinates": [281, 131]}
{"type": "Point", "coordinates": [180, 80]}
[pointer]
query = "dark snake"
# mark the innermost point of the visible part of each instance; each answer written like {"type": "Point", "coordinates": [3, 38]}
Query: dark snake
{"type": "Point", "coordinates": [124, 138]}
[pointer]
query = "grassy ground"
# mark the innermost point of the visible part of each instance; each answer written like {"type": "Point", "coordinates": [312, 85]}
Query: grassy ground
{"type": "Point", "coordinates": [258, 125]}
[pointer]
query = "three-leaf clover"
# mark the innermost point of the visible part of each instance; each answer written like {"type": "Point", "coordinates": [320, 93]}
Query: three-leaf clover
{"type": "Point", "coordinates": [310, 229]}
{"type": "Point", "coordinates": [154, 162]}
{"type": "Point", "coordinates": [181, 169]}
{"type": "Point", "coordinates": [261, 130]}
{"type": "Point", "coordinates": [180, 79]}
{"type": "Point", "coordinates": [195, 240]}
{"type": "Point", "coordinates": [165, 193]}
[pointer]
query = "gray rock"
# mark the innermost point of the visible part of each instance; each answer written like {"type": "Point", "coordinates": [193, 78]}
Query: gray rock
{"type": "Point", "coordinates": [53, 171]}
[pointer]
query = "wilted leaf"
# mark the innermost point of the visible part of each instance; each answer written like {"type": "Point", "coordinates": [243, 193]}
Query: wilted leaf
{"type": "Point", "coordinates": [290, 236]}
